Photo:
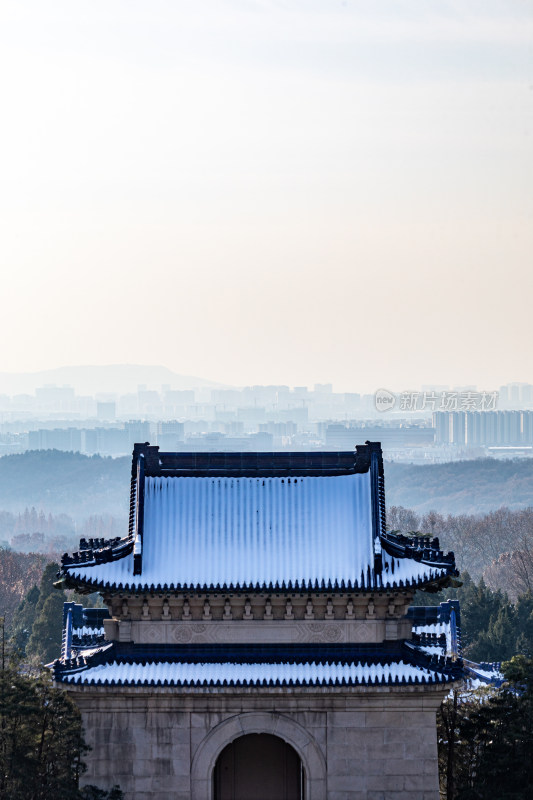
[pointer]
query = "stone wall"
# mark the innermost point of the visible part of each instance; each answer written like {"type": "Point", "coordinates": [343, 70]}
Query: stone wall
{"type": "Point", "coordinates": [355, 743]}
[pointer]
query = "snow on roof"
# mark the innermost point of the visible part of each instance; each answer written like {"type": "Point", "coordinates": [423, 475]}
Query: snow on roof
{"type": "Point", "coordinates": [436, 629]}
{"type": "Point", "coordinates": [432, 650]}
{"type": "Point", "coordinates": [485, 673]}
{"type": "Point", "coordinates": [251, 531]}
{"type": "Point", "coordinates": [254, 674]}
{"type": "Point", "coordinates": [78, 636]}
{"type": "Point", "coordinates": [87, 630]}
{"type": "Point", "coordinates": [257, 532]}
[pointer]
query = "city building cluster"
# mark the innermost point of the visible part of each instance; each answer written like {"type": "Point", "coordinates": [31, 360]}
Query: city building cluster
{"type": "Point", "coordinates": [266, 418]}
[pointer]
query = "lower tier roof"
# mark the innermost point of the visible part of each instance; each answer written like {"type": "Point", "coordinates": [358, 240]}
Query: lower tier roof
{"type": "Point", "coordinates": [160, 673]}
{"type": "Point", "coordinates": [128, 664]}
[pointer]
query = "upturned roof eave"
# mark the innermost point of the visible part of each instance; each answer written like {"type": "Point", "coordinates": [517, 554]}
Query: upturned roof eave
{"type": "Point", "coordinates": [87, 586]}
{"type": "Point", "coordinates": [438, 670]}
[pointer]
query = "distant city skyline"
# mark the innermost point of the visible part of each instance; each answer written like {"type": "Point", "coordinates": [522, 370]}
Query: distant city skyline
{"type": "Point", "coordinates": [101, 379]}
{"type": "Point", "coordinates": [281, 192]}
{"type": "Point", "coordinates": [106, 410]}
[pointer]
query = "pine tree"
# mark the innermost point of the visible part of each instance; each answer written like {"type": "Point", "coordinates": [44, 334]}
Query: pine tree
{"type": "Point", "coordinates": [505, 763]}
{"type": "Point", "coordinates": [41, 739]}
{"type": "Point", "coordinates": [93, 600]}
{"type": "Point", "coordinates": [45, 640]}
{"type": "Point", "coordinates": [46, 587]}
{"type": "Point", "coordinates": [44, 643]}
{"type": "Point", "coordinates": [524, 624]}
{"type": "Point", "coordinates": [478, 606]}
{"type": "Point", "coordinates": [502, 633]}
{"type": "Point", "coordinates": [23, 620]}
{"type": "Point", "coordinates": [486, 740]}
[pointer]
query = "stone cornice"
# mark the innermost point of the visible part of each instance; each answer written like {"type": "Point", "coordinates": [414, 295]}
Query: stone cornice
{"type": "Point", "coordinates": [268, 608]}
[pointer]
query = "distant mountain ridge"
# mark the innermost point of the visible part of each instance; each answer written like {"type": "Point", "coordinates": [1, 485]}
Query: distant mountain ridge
{"type": "Point", "coordinates": [79, 485]}
{"type": "Point", "coordinates": [110, 378]}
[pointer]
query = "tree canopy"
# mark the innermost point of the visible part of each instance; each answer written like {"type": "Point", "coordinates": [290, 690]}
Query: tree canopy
{"type": "Point", "coordinates": [41, 740]}
{"type": "Point", "coordinates": [486, 739]}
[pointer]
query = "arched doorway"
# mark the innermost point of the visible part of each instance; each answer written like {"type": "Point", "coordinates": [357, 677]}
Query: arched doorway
{"type": "Point", "coordinates": [258, 766]}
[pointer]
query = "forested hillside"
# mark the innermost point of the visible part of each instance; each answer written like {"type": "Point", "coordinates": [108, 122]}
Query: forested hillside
{"type": "Point", "coordinates": [460, 487]}
{"type": "Point", "coordinates": [497, 545]}
{"type": "Point", "coordinates": [65, 483]}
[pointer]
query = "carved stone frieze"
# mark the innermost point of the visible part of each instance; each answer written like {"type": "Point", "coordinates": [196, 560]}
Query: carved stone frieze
{"type": "Point", "coordinates": [276, 632]}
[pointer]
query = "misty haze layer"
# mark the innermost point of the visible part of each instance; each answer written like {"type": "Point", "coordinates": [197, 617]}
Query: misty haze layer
{"type": "Point", "coordinates": [269, 192]}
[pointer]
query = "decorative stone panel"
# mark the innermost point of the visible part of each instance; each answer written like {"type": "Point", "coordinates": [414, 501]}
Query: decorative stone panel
{"type": "Point", "coordinates": [282, 632]}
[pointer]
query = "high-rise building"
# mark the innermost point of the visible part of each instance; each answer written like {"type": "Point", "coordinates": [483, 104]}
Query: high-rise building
{"type": "Point", "coordinates": [484, 428]}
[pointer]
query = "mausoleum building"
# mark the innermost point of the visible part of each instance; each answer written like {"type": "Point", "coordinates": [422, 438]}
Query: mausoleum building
{"type": "Point", "coordinates": [258, 643]}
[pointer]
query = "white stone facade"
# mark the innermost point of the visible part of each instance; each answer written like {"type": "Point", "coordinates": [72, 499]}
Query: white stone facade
{"type": "Point", "coordinates": [357, 743]}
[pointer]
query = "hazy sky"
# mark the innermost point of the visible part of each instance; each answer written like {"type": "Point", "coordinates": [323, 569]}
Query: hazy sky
{"type": "Point", "coordinates": [269, 192]}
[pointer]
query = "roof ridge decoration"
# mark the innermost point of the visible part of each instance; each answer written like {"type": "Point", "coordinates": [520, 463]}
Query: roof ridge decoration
{"type": "Point", "coordinates": [260, 464]}
{"type": "Point", "coordinates": [419, 548]}
{"type": "Point", "coordinates": [98, 551]}
{"type": "Point", "coordinates": [137, 502]}
{"type": "Point", "coordinates": [378, 503]}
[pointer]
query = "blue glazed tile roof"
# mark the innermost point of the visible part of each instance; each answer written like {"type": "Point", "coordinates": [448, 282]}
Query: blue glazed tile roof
{"type": "Point", "coordinates": [198, 524]}
{"type": "Point", "coordinates": [318, 664]}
